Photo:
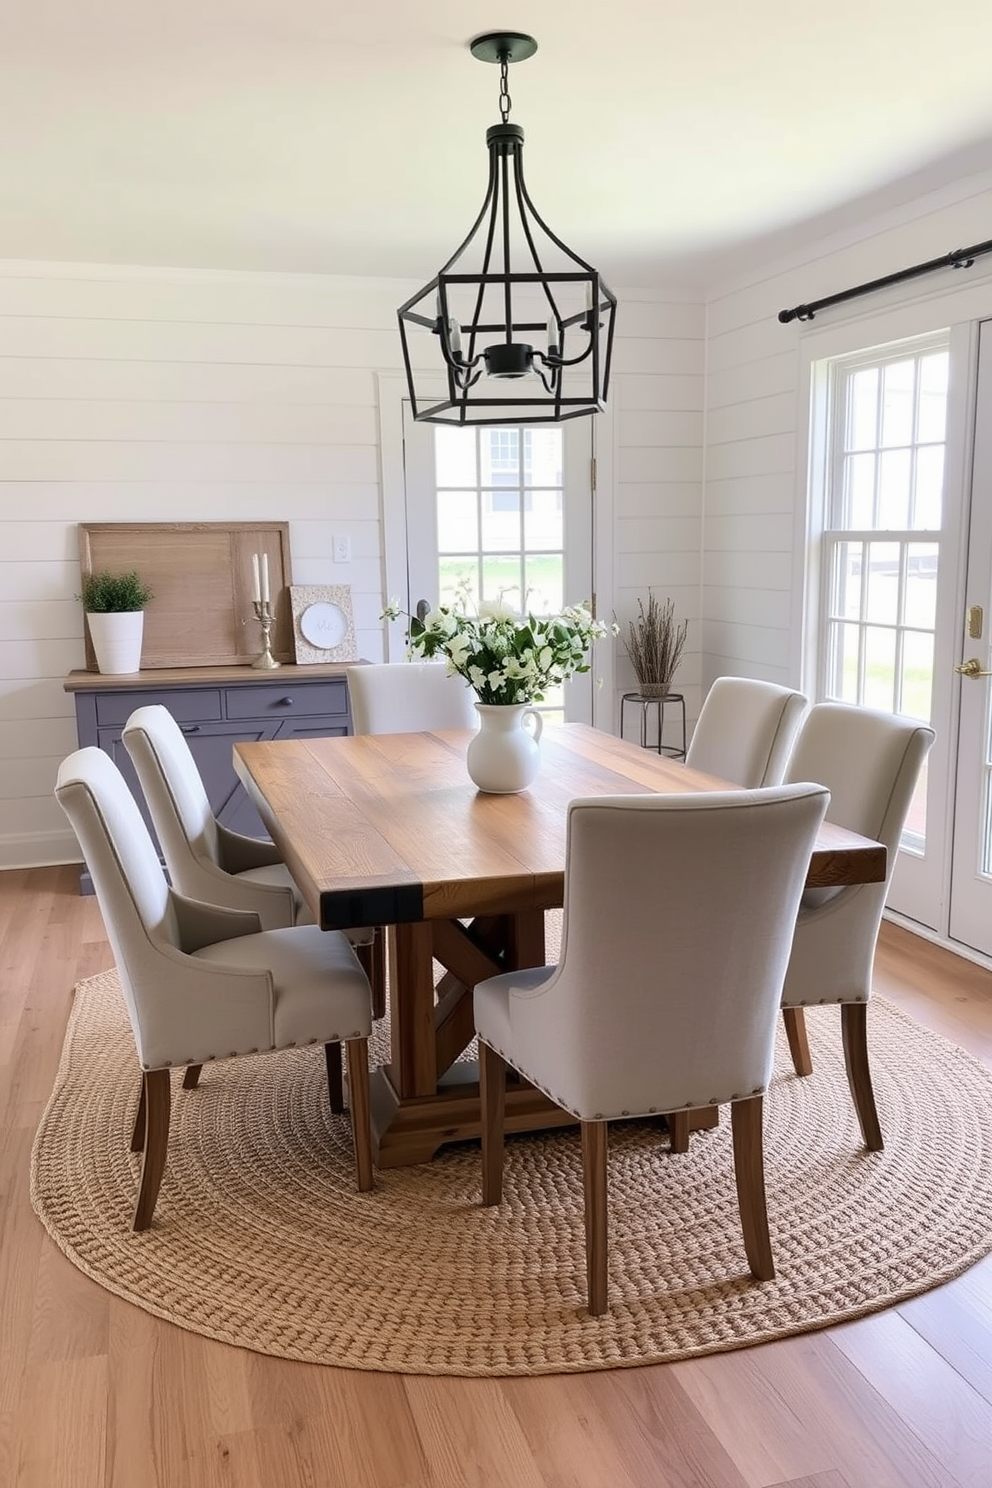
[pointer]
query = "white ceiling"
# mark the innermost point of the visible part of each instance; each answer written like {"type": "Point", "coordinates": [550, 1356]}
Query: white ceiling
{"type": "Point", "coordinates": [664, 142]}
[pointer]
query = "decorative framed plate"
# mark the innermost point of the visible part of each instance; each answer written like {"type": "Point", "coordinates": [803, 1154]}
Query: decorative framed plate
{"type": "Point", "coordinates": [323, 625]}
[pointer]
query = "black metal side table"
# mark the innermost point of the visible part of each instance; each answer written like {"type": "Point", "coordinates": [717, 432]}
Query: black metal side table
{"type": "Point", "coordinates": [661, 702]}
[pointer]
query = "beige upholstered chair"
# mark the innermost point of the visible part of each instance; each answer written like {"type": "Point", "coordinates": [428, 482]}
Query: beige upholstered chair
{"type": "Point", "coordinates": [667, 993]}
{"type": "Point", "coordinates": [205, 859]}
{"type": "Point", "coordinates": [870, 763]}
{"type": "Point", "coordinates": [202, 982]}
{"type": "Point", "coordinates": [746, 730]}
{"type": "Point", "coordinates": [406, 697]}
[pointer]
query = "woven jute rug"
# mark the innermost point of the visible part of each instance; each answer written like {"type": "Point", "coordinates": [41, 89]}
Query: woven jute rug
{"type": "Point", "coordinates": [260, 1238]}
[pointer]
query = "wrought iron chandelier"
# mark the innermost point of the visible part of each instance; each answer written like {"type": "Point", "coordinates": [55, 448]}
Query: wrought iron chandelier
{"type": "Point", "coordinates": [511, 280]}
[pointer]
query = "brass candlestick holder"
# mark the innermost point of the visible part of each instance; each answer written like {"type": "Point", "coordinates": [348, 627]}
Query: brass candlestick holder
{"type": "Point", "coordinates": [263, 614]}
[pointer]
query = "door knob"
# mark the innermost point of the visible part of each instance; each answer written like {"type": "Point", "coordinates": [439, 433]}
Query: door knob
{"type": "Point", "coordinates": [972, 668]}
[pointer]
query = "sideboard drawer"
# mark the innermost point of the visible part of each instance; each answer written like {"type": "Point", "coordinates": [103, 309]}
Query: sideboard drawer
{"type": "Point", "coordinates": [187, 705]}
{"type": "Point", "coordinates": [287, 699]}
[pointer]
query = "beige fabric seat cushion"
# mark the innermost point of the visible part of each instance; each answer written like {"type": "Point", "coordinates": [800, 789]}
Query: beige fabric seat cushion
{"type": "Point", "coordinates": [302, 962]}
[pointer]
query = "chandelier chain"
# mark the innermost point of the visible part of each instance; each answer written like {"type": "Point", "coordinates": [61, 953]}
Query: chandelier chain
{"type": "Point", "coordinates": [504, 87]}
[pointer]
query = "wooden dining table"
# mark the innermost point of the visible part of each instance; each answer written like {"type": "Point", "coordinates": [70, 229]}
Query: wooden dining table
{"type": "Point", "coordinates": [388, 830]}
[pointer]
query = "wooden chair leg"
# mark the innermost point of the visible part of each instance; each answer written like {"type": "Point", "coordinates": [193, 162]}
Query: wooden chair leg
{"type": "Point", "coordinates": [795, 1031]}
{"type": "Point", "coordinates": [335, 1082]}
{"type": "Point", "coordinates": [749, 1171]}
{"type": "Point", "coordinates": [192, 1076]}
{"type": "Point", "coordinates": [158, 1100]}
{"type": "Point", "coordinates": [373, 959]}
{"type": "Point", "coordinates": [854, 1032]}
{"type": "Point", "coordinates": [361, 1130]}
{"type": "Point", "coordinates": [594, 1185]}
{"type": "Point", "coordinates": [138, 1130]}
{"type": "Point", "coordinates": [492, 1098]}
{"type": "Point", "coordinates": [678, 1131]}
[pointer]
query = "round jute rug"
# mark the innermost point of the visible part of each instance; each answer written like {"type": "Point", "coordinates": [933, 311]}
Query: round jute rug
{"type": "Point", "coordinates": [260, 1238]}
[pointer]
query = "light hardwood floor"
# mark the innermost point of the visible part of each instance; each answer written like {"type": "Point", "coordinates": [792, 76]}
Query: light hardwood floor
{"type": "Point", "coordinates": [95, 1393]}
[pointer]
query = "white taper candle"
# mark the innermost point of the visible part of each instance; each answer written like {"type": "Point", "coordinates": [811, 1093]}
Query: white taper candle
{"type": "Point", "coordinates": [265, 578]}
{"type": "Point", "coordinates": [256, 592]}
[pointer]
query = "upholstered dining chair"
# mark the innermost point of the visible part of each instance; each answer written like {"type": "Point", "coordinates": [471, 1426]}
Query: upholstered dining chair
{"type": "Point", "coordinates": [406, 697]}
{"type": "Point", "coordinates": [658, 1004]}
{"type": "Point", "coordinates": [205, 859]}
{"type": "Point", "coordinates": [870, 763]}
{"type": "Point", "coordinates": [202, 982]}
{"type": "Point", "coordinates": [745, 731]}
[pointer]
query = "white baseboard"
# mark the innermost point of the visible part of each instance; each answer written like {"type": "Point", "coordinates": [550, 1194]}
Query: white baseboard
{"type": "Point", "coordinates": [954, 946]}
{"type": "Point", "coordinates": [39, 850]}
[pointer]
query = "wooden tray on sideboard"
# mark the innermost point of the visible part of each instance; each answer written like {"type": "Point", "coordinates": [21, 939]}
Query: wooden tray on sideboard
{"type": "Point", "coordinates": [200, 574]}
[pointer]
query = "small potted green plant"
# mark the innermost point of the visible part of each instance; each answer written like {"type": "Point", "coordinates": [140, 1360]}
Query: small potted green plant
{"type": "Point", "coordinates": [114, 606]}
{"type": "Point", "coordinates": [654, 643]}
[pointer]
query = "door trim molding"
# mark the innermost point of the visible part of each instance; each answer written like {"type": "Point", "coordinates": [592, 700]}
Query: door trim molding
{"type": "Point", "coordinates": [391, 388]}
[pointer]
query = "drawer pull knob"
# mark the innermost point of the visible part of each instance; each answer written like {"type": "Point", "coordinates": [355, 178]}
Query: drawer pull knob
{"type": "Point", "coordinates": [286, 702]}
{"type": "Point", "coordinates": [191, 728]}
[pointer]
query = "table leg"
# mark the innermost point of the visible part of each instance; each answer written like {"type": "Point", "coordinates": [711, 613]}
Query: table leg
{"type": "Point", "coordinates": [413, 1070]}
{"type": "Point", "coordinates": [525, 939]}
{"type": "Point", "coordinates": [418, 1102]}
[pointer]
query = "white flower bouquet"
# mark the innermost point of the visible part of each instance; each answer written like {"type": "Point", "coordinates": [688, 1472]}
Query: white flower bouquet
{"type": "Point", "coordinates": [505, 657]}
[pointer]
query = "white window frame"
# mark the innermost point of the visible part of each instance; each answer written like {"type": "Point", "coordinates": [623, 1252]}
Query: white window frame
{"type": "Point", "coordinates": [920, 888]}
{"type": "Point", "coordinates": [829, 476]}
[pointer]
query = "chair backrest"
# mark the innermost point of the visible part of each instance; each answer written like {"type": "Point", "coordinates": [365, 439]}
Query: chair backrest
{"type": "Point", "coordinates": [130, 885]}
{"type": "Point", "coordinates": [182, 1009]}
{"type": "Point", "coordinates": [679, 912]}
{"type": "Point", "coordinates": [174, 792]}
{"type": "Point", "coordinates": [745, 731]}
{"type": "Point", "coordinates": [407, 697]}
{"type": "Point", "coordinates": [870, 762]}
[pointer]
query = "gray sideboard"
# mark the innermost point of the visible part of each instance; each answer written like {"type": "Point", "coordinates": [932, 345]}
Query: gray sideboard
{"type": "Point", "coordinates": [216, 707]}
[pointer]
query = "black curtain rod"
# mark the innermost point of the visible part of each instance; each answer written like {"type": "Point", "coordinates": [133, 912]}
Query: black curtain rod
{"type": "Point", "coordinates": [959, 258]}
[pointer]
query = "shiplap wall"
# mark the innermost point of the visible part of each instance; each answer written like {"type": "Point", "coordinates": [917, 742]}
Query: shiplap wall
{"type": "Point", "coordinates": [755, 441]}
{"type": "Point", "coordinates": [658, 485]}
{"type": "Point", "coordinates": [133, 394]}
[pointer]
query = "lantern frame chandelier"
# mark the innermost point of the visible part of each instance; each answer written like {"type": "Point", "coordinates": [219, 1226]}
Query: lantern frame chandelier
{"type": "Point", "coordinates": [474, 323]}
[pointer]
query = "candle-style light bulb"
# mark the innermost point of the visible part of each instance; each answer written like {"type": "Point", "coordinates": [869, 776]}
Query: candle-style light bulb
{"type": "Point", "coordinates": [454, 337]}
{"type": "Point", "coordinates": [552, 337]}
{"type": "Point", "coordinates": [589, 294]}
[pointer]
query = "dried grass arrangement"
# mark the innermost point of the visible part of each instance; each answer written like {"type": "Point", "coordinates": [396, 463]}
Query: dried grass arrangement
{"type": "Point", "coordinates": [654, 643]}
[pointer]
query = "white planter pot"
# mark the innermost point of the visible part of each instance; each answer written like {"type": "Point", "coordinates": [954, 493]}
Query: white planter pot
{"type": "Point", "coordinates": [116, 640]}
{"type": "Point", "coordinates": [503, 756]}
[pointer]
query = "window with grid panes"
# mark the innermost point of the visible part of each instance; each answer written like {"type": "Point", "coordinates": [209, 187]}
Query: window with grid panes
{"type": "Point", "coordinates": [881, 539]}
{"type": "Point", "coordinates": [499, 515]}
